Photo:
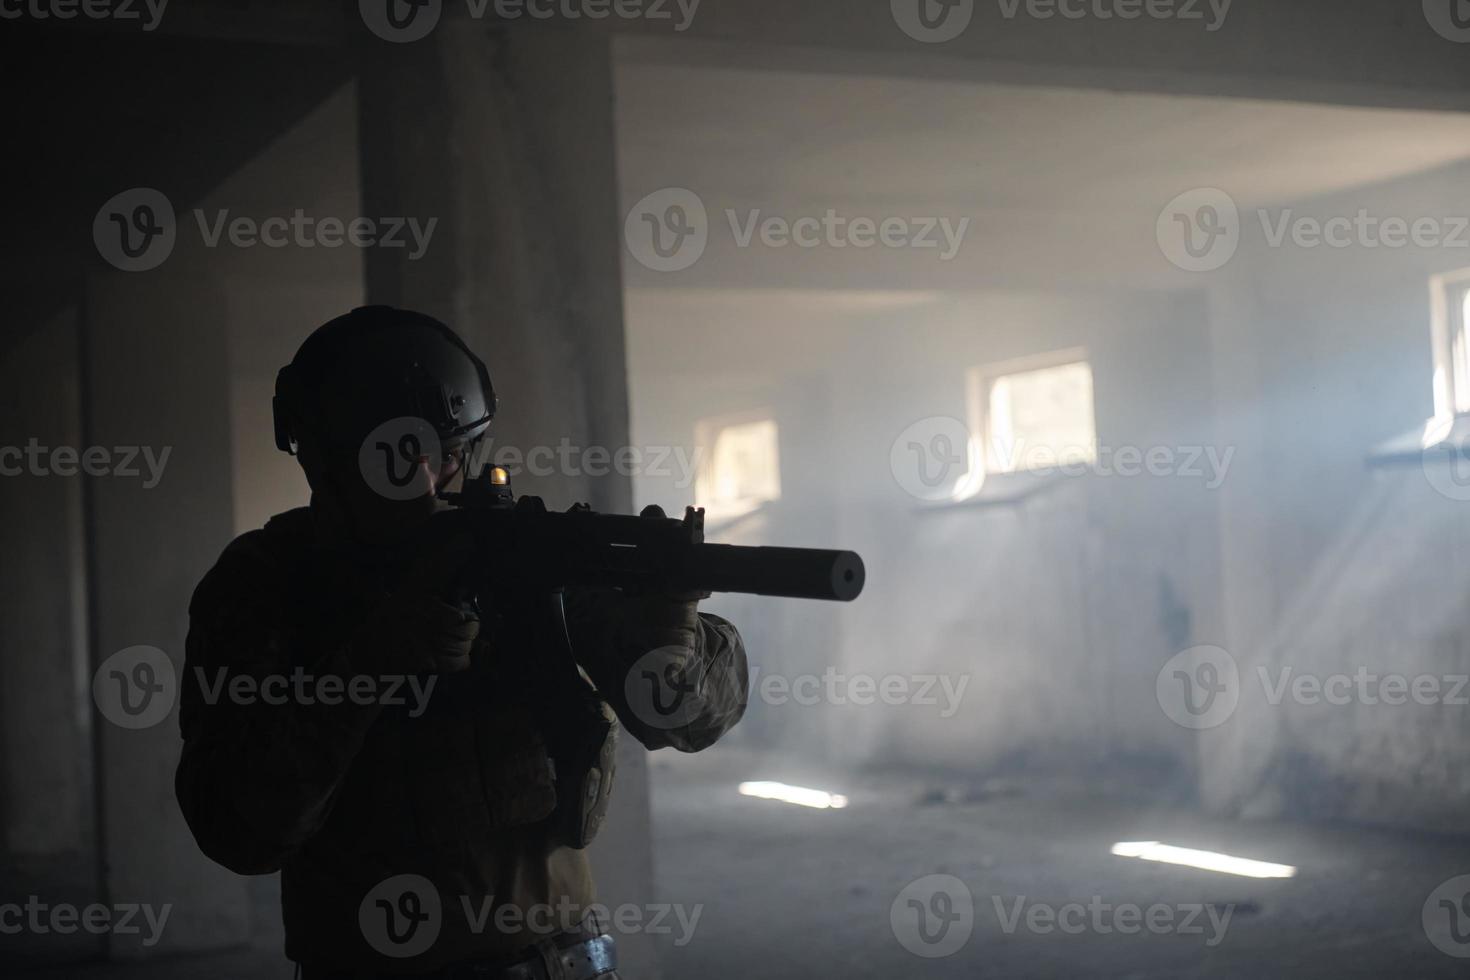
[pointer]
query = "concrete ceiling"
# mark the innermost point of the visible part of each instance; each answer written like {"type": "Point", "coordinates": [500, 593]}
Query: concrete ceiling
{"type": "Point", "coordinates": [1050, 177]}
{"type": "Point", "coordinates": [819, 138]}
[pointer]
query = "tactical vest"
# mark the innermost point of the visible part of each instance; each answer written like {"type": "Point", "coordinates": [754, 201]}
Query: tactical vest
{"type": "Point", "coordinates": [519, 739]}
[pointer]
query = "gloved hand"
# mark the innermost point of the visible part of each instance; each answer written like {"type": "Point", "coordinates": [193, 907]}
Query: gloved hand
{"type": "Point", "coordinates": [420, 634]}
{"type": "Point", "coordinates": [658, 619]}
{"type": "Point", "coordinates": [424, 627]}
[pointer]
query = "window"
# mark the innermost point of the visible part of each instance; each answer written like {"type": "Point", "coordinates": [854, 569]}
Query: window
{"type": "Point", "coordinates": [1451, 310]}
{"type": "Point", "coordinates": [742, 466]}
{"type": "Point", "coordinates": [1035, 413]}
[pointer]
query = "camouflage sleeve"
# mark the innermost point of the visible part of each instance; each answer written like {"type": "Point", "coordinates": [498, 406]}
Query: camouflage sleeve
{"type": "Point", "coordinates": [677, 680]}
{"type": "Point", "coordinates": [258, 774]}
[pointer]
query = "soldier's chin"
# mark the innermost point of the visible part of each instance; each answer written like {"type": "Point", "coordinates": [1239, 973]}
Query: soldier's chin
{"type": "Point", "coordinates": [389, 522]}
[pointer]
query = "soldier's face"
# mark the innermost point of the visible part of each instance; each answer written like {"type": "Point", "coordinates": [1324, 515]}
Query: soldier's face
{"type": "Point", "coordinates": [378, 520]}
{"type": "Point", "coordinates": [387, 514]}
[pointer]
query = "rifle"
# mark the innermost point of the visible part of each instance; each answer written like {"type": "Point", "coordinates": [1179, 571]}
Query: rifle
{"type": "Point", "coordinates": [545, 553]}
{"type": "Point", "coordinates": [583, 549]}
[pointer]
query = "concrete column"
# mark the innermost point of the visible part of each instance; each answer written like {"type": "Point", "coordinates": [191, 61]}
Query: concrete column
{"type": "Point", "coordinates": [506, 137]}
{"type": "Point", "coordinates": [154, 357]}
{"type": "Point", "coordinates": [46, 803]}
{"type": "Point", "coordinates": [1233, 756]}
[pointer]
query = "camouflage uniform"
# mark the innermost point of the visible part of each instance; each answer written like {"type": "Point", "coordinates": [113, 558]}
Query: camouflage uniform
{"type": "Point", "coordinates": [339, 797]}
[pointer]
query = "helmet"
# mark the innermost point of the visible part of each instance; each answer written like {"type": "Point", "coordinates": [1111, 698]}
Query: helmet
{"type": "Point", "coordinates": [377, 364]}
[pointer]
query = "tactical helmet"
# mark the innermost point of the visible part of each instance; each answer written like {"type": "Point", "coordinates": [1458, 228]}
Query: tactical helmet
{"type": "Point", "coordinates": [377, 364]}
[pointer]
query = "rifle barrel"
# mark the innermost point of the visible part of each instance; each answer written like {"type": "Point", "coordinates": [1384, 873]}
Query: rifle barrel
{"type": "Point", "coordinates": [796, 573]}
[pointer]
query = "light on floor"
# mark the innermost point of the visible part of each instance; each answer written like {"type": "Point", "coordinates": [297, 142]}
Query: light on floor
{"type": "Point", "coordinates": [1152, 850]}
{"type": "Point", "coordinates": [799, 795]}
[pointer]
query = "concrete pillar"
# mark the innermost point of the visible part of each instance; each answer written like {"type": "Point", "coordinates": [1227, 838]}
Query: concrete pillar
{"type": "Point", "coordinates": [154, 357]}
{"type": "Point", "coordinates": [506, 137]}
{"type": "Point", "coordinates": [46, 802]}
{"type": "Point", "coordinates": [1233, 756]}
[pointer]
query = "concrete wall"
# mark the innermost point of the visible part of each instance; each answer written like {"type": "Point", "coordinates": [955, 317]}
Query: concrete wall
{"type": "Point", "coordinates": [182, 358]}
{"type": "Point", "coordinates": [1057, 612]}
{"type": "Point", "coordinates": [1334, 566]}
{"type": "Point", "coordinates": [1297, 363]}
{"type": "Point", "coordinates": [137, 364]}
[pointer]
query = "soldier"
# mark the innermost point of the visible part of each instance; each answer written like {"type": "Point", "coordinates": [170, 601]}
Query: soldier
{"type": "Point", "coordinates": [437, 831]}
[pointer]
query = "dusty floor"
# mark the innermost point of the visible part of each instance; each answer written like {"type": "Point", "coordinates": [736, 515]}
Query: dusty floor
{"type": "Point", "coordinates": [790, 892]}
{"type": "Point", "coordinates": [781, 891]}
